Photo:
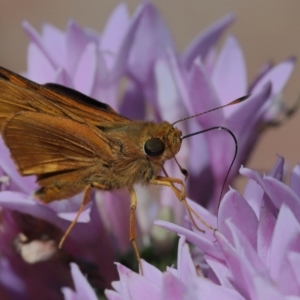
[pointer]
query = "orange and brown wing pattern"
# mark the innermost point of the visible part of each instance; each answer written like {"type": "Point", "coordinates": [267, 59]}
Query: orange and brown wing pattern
{"type": "Point", "coordinates": [20, 94]}
{"type": "Point", "coordinates": [62, 153]}
{"type": "Point", "coordinates": [41, 143]}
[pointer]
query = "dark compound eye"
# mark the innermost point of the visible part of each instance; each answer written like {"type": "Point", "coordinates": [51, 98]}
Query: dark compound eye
{"type": "Point", "coordinates": [154, 147]}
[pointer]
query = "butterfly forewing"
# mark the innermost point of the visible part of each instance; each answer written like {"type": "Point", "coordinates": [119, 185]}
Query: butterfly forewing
{"type": "Point", "coordinates": [20, 94]}
{"type": "Point", "coordinates": [41, 143]}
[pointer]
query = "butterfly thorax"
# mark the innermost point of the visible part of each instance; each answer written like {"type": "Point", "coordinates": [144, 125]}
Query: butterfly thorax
{"type": "Point", "coordinates": [139, 152]}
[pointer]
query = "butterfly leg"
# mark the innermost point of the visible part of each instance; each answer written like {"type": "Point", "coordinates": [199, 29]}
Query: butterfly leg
{"type": "Point", "coordinates": [181, 195]}
{"type": "Point", "coordinates": [85, 200]}
{"type": "Point", "coordinates": [132, 234]}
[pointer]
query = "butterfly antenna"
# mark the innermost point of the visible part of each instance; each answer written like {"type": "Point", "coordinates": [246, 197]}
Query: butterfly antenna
{"type": "Point", "coordinates": [234, 157]}
{"type": "Point", "coordinates": [238, 100]}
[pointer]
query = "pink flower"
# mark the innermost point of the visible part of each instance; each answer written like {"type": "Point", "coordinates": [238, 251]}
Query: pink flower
{"type": "Point", "coordinates": [183, 282]}
{"type": "Point", "coordinates": [173, 86]}
{"type": "Point", "coordinates": [161, 85]}
{"type": "Point", "coordinates": [255, 250]}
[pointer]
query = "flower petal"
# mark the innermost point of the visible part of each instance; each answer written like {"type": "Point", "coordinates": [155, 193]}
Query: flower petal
{"type": "Point", "coordinates": [229, 75]}
{"type": "Point", "coordinates": [168, 98]}
{"type": "Point", "coordinates": [172, 288]}
{"type": "Point", "coordinates": [264, 289]}
{"type": "Point", "coordinates": [287, 229]}
{"type": "Point", "coordinates": [278, 76]}
{"type": "Point", "coordinates": [57, 49]}
{"type": "Point", "coordinates": [113, 34]}
{"type": "Point", "coordinates": [84, 77]}
{"type": "Point", "coordinates": [280, 193]}
{"type": "Point", "coordinates": [201, 45]}
{"type": "Point", "coordinates": [133, 105]}
{"type": "Point", "coordinates": [82, 287]}
{"type": "Point", "coordinates": [39, 68]}
{"type": "Point", "coordinates": [203, 97]}
{"type": "Point", "coordinates": [211, 291]}
{"type": "Point", "coordinates": [237, 210]}
{"type": "Point", "coordinates": [151, 41]}
{"type": "Point", "coordinates": [264, 235]}
{"type": "Point", "coordinates": [277, 171]}
{"type": "Point", "coordinates": [76, 41]}
{"type": "Point", "coordinates": [18, 182]}
{"type": "Point", "coordinates": [197, 239]}
{"type": "Point", "coordinates": [185, 265]}
{"type": "Point", "coordinates": [37, 40]}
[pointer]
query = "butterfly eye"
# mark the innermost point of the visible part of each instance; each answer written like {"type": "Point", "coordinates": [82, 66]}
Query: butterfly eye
{"type": "Point", "coordinates": [154, 147]}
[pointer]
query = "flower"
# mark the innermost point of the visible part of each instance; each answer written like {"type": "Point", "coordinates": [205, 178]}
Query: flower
{"type": "Point", "coordinates": [173, 86]}
{"type": "Point", "coordinates": [161, 85]}
{"type": "Point", "coordinates": [255, 250]}
{"type": "Point", "coordinates": [82, 288]}
{"type": "Point", "coordinates": [185, 282]}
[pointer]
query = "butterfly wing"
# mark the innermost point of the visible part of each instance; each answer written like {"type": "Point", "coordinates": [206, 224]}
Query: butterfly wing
{"type": "Point", "coordinates": [59, 150]}
{"type": "Point", "coordinates": [20, 94]}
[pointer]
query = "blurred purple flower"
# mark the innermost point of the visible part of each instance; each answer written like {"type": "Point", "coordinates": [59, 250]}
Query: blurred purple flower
{"type": "Point", "coordinates": [256, 248]}
{"type": "Point", "coordinates": [172, 86]}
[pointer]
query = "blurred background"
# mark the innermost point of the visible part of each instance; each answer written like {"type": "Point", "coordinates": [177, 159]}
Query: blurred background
{"type": "Point", "coordinates": [267, 30]}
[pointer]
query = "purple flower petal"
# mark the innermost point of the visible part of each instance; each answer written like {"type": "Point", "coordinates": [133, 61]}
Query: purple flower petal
{"type": "Point", "coordinates": [203, 97]}
{"type": "Point", "coordinates": [115, 209]}
{"type": "Point", "coordinates": [185, 265]}
{"type": "Point", "coordinates": [249, 253]}
{"type": "Point", "coordinates": [83, 290]}
{"type": "Point", "coordinates": [39, 67]}
{"type": "Point", "coordinates": [10, 279]}
{"type": "Point", "coordinates": [241, 271]}
{"type": "Point", "coordinates": [152, 273]}
{"type": "Point", "coordinates": [277, 171]}
{"type": "Point", "coordinates": [253, 194]}
{"type": "Point", "coordinates": [245, 116]}
{"type": "Point", "coordinates": [201, 45]}
{"type": "Point", "coordinates": [84, 216]}
{"type": "Point", "coordinates": [172, 288]}
{"type": "Point", "coordinates": [278, 76]}
{"type": "Point", "coordinates": [294, 260]}
{"type": "Point", "coordinates": [210, 291]}
{"type": "Point", "coordinates": [229, 75]}
{"type": "Point", "coordinates": [84, 77]}
{"type": "Point", "coordinates": [151, 41]}
{"type": "Point", "coordinates": [133, 106]}
{"type": "Point", "coordinates": [264, 235]}
{"type": "Point", "coordinates": [113, 34]}
{"type": "Point", "coordinates": [220, 269]}
{"type": "Point", "coordinates": [112, 295]}
{"type": "Point", "coordinates": [237, 210]}
{"type": "Point", "coordinates": [57, 49]}
{"type": "Point", "coordinates": [279, 193]}
{"type": "Point", "coordinates": [137, 286]}
{"type": "Point", "coordinates": [286, 230]}
{"type": "Point", "coordinates": [265, 289]}
{"type": "Point", "coordinates": [18, 182]}
{"type": "Point", "coordinates": [76, 42]}
{"type": "Point", "coordinates": [37, 40]}
{"type": "Point", "coordinates": [197, 239]}
{"type": "Point", "coordinates": [168, 97]}
{"type": "Point", "coordinates": [121, 61]}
